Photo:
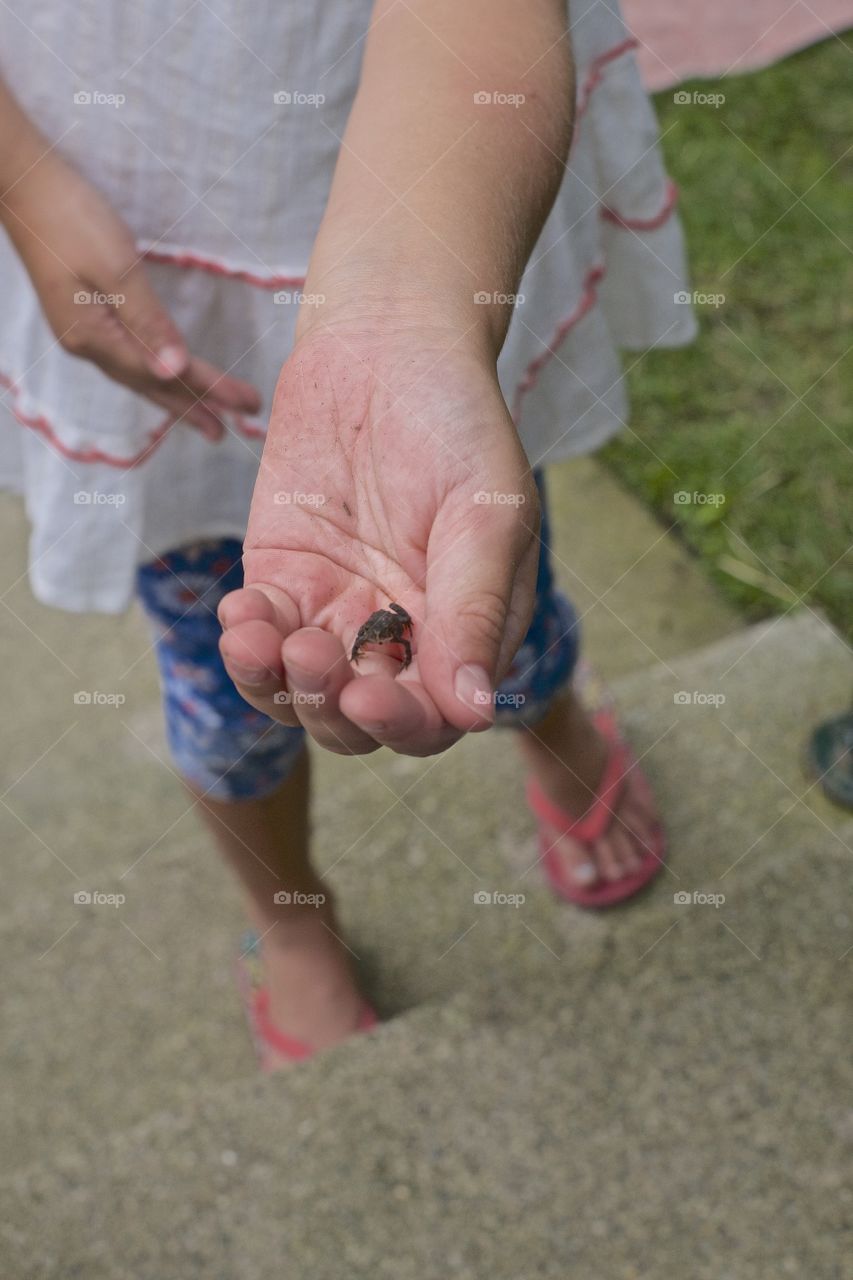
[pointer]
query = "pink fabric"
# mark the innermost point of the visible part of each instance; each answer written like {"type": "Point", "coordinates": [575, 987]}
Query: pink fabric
{"type": "Point", "coordinates": [694, 38]}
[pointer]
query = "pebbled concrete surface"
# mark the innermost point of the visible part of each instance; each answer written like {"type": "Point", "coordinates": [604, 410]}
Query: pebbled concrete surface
{"type": "Point", "coordinates": [656, 1091]}
{"type": "Point", "coordinates": [682, 1111]}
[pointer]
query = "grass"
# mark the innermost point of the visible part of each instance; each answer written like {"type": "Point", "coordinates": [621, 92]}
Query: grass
{"type": "Point", "coordinates": [760, 409]}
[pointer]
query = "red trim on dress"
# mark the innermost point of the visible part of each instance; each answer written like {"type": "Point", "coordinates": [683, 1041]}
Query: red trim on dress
{"type": "Point", "coordinates": [589, 296]}
{"type": "Point", "coordinates": [645, 224]}
{"type": "Point", "coordinates": [588, 299]}
{"type": "Point", "coordinates": [186, 259]}
{"type": "Point", "coordinates": [595, 72]}
{"type": "Point", "coordinates": [183, 258]}
{"type": "Point", "coordinates": [156, 437]}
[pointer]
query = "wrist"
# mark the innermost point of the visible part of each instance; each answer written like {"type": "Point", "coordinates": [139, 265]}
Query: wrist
{"type": "Point", "coordinates": [392, 301]}
{"type": "Point", "coordinates": [390, 273]}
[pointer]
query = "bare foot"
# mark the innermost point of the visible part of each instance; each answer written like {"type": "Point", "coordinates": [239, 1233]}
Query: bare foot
{"type": "Point", "coordinates": [305, 964]}
{"type": "Point", "coordinates": [313, 994]}
{"type": "Point", "coordinates": [567, 755]}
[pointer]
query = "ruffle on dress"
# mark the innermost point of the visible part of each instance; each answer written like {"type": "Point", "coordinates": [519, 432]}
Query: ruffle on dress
{"type": "Point", "coordinates": [226, 192]}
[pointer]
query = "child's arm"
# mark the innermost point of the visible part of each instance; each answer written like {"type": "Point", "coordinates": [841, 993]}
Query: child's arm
{"type": "Point", "coordinates": [388, 417]}
{"type": "Point", "coordinates": [451, 158]}
{"type": "Point", "coordinates": [21, 144]}
{"type": "Point", "coordinates": [83, 264]}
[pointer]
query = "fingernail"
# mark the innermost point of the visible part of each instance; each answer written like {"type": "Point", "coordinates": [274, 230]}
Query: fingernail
{"type": "Point", "coordinates": [472, 686]}
{"type": "Point", "coordinates": [585, 873]}
{"type": "Point", "coordinates": [171, 360]}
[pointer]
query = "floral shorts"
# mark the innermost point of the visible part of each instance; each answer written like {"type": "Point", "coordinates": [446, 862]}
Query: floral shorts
{"type": "Point", "coordinates": [229, 750]}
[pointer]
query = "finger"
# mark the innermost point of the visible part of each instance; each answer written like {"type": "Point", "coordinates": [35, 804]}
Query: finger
{"type": "Point", "coordinates": [247, 604]}
{"type": "Point", "coordinates": [221, 388]}
{"type": "Point", "coordinates": [469, 595]}
{"type": "Point", "coordinates": [101, 337]}
{"type": "Point", "coordinates": [251, 652]}
{"type": "Point", "coordinates": [165, 354]}
{"type": "Point", "coordinates": [202, 417]}
{"type": "Point", "coordinates": [285, 611]}
{"type": "Point", "coordinates": [317, 671]}
{"type": "Point", "coordinates": [398, 714]}
{"type": "Point", "coordinates": [182, 408]}
{"type": "Point", "coordinates": [254, 621]}
{"type": "Point", "coordinates": [163, 349]}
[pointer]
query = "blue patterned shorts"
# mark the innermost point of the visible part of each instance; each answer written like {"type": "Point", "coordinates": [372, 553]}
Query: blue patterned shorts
{"type": "Point", "coordinates": [229, 750]}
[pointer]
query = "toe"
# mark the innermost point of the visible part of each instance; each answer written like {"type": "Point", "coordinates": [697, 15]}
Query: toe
{"type": "Point", "coordinates": [605, 856]}
{"type": "Point", "coordinates": [578, 862]}
{"type": "Point", "coordinates": [624, 850]}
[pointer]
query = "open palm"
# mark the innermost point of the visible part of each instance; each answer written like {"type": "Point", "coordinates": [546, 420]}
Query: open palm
{"type": "Point", "coordinates": [392, 472]}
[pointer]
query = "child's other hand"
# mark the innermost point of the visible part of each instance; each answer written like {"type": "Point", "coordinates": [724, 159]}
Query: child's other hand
{"type": "Point", "coordinates": [392, 472]}
{"type": "Point", "coordinates": [85, 268]}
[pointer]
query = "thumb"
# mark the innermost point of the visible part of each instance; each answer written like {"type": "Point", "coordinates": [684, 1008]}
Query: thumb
{"type": "Point", "coordinates": [162, 347]}
{"type": "Point", "coordinates": [479, 598]}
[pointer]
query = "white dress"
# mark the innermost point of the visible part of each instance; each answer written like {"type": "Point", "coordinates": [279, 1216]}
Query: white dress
{"type": "Point", "coordinates": [214, 133]}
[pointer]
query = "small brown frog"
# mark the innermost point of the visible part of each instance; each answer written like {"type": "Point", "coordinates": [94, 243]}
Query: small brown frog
{"type": "Point", "coordinates": [382, 626]}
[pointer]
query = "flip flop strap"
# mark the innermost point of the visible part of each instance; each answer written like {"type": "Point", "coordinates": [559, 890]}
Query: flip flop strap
{"type": "Point", "coordinates": [289, 1045]}
{"type": "Point", "coordinates": [272, 1035]}
{"type": "Point", "coordinates": [592, 825]}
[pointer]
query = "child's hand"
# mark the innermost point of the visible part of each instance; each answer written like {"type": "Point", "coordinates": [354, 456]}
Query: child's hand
{"type": "Point", "coordinates": [392, 472]}
{"type": "Point", "coordinates": [77, 250]}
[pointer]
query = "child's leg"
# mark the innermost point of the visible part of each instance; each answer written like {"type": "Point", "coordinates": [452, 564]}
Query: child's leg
{"type": "Point", "coordinates": [558, 741]}
{"type": "Point", "coordinates": [251, 780]}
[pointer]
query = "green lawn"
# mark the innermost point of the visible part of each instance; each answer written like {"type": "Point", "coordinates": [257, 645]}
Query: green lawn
{"type": "Point", "coordinates": [767, 203]}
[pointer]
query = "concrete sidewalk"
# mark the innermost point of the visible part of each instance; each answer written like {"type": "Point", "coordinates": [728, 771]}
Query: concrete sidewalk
{"type": "Point", "coordinates": [658, 1091]}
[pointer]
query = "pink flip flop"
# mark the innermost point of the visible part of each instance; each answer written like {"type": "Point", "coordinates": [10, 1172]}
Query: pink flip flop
{"type": "Point", "coordinates": [593, 824]}
{"type": "Point", "coordinates": [272, 1044]}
